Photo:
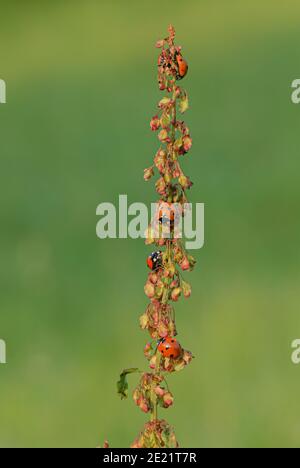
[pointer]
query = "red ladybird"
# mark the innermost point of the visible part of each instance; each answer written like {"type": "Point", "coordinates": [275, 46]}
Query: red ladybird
{"type": "Point", "coordinates": [170, 348]}
{"type": "Point", "coordinates": [154, 261]}
{"type": "Point", "coordinates": [182, 67]}
{"type": "Point", "coordinates": [166, 214]}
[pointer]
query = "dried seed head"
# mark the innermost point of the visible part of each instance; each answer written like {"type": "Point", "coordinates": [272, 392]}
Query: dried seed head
{"type": "Point", "coordinates": [175, 294]}
{"type": "Point", "coordinates": [148, 173]}
{"type": "Point", "coordinates": [185, 264]}
{"type": "Point", "coordinates": [149, 289]}
{"type": "Point", "coordinates": [187, 143]}
{"type": "Point", "coordinates": [168, 399]}
{"type": "Point", "coordinates": [186, 288]}
{"type": "Point", "coordinates": [156, 434]}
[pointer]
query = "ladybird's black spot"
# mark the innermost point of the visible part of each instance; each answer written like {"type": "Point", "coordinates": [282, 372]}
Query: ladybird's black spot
{"type": "Point", "coordinates": [172, 356]}
{"type": "Point", "coordinates": [172, 341]}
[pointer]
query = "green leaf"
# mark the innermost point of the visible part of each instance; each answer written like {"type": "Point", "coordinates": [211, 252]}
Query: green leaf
{"type": "Point", "coordinates": [184, 103]}
{"type": "Point", "coordinates": [122, 384]}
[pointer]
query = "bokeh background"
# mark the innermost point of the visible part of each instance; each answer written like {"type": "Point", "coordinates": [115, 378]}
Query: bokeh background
{"type": "Point", "coordinates": [81, 88]}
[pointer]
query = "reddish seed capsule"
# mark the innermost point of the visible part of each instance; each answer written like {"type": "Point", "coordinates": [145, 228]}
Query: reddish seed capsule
{"type": "Point", "coordinates": [170, 348]}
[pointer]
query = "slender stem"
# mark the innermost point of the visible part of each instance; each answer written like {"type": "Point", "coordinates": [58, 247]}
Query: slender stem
{"type": "Point", "coordinates": [166, 384]}
{"type": "Point", "coordinates": [165, 298]}
{"type": "Point", "coordinates": [154, 400]}
{"type": "Point", "coordinates": [157, 372]}
{"type": "Point", "coordinates": [173, 137]}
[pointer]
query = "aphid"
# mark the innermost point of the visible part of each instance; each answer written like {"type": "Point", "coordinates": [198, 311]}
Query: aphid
{"type": "Point", "coordinates": [182, 67]}
{"type": "Point", "coordinates": [154, 261]}
{"type": "Point", "coordinates": [170, 348]}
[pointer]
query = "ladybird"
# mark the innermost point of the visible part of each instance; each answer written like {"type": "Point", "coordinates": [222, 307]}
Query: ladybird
{"type": "Point", "coordinates": [170, 348]}
{"type": "Point", "coordinates": [166, 214]}
{"type": "Point", "coordinates": [182, 67]}
{"type": "Point", "coordinates": [154, 261]}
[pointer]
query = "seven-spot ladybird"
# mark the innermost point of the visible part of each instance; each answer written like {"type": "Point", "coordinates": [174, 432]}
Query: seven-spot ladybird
{"type": "Point", "coordinates": [154, 261]}
{"type": "Point", "coordinates": [166, 213]}
{"type": "Point", "coordinates": [182, 67]}
{"type": "Point", "coordinates": [170, 348]}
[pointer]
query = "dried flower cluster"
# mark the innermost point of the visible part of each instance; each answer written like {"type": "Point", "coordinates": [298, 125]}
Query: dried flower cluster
{"type": "Point", "coordinates": [156, 434]}
{"type": "Point", "coordinates": [164, 284]}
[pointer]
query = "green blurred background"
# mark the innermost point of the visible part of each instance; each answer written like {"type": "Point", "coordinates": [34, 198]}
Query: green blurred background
{"type": "Point", "coordinates": [81, 88]}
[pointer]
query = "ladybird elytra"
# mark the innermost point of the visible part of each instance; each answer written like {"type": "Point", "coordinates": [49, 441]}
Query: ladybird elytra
{"type": "Point", "coordinates": [170, 348]}
{"type": "Point", "coordinates": [182, 66]}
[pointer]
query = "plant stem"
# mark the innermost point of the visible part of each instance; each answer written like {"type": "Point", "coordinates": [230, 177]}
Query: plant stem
{"type": "Point", "coordinates": [156, 371]}
{"type": "Point", "coordinates": [174, 98]}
